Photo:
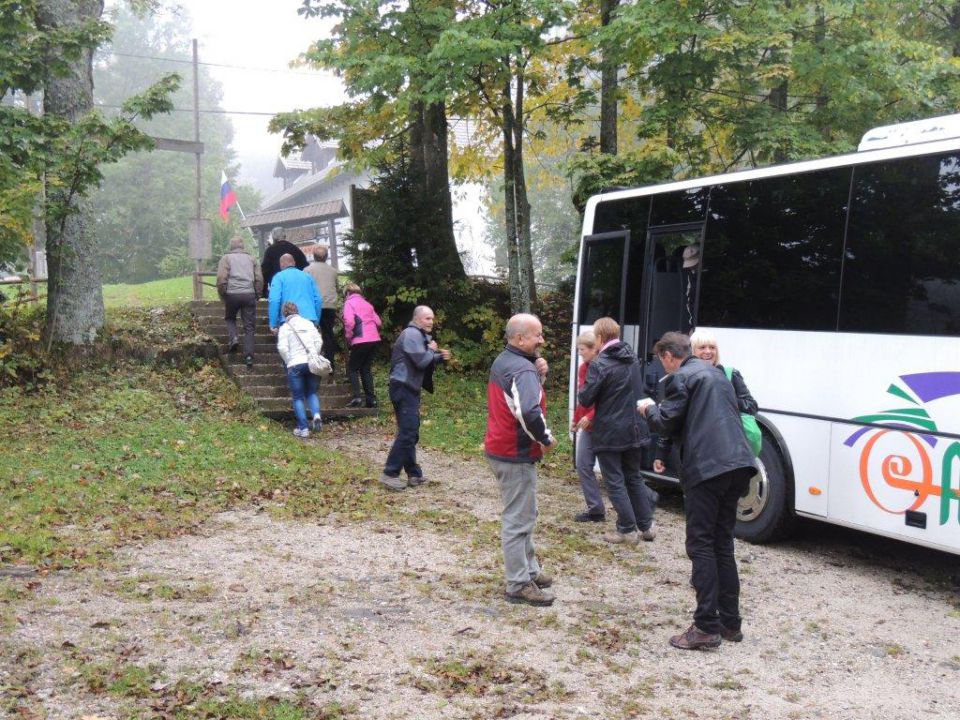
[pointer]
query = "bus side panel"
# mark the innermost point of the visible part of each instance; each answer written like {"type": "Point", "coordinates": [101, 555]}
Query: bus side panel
{"type": "Point", "coordinates": [896, 481]}
{"type": "Point", "coordinates": [805, 440]}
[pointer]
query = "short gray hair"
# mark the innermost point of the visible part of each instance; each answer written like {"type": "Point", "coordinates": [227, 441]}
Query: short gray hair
{"type": "Point", "coordinates": [518, 325]}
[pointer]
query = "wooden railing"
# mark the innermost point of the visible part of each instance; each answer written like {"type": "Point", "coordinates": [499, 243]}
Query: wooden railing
{"type": "Point", "coordinates": [31, 295]}
{"type": "Point", "coordinates": [198, 283]}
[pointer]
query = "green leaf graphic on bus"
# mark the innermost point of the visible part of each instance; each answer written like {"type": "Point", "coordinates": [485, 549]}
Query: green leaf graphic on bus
{"type": "Point", "coordinates": [919, 456]}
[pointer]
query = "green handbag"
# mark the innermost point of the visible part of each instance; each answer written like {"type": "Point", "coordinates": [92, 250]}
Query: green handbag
{"type": "Point", "coordinates": [751, 428]}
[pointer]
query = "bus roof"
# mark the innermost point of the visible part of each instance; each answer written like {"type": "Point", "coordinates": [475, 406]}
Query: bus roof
{"type": "Point", "coordinates": [911, 133]}
{"type": "Point", "coordinates": [792, 168]}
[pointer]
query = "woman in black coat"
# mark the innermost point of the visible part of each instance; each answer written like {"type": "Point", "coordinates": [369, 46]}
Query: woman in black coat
{"type": "Point", "coordinates": [613, 386]}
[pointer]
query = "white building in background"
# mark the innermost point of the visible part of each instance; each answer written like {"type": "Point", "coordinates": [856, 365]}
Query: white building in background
{"type": "Point", "coordinates": [316, 204]}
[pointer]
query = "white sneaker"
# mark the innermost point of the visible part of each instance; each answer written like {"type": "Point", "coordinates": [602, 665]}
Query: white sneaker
{"type": "Point", "coordinates": [650, 533]}
{"type": "Point", "coordinates": [305, 433]}
{"type": "Point", "coordinates": [317, 423]}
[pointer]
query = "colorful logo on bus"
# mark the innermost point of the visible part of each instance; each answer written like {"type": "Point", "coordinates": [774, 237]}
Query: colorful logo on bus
{"type": "Point", "coordinates": [901, 464]}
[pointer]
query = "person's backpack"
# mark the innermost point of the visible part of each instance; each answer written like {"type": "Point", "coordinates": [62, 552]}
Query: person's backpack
{"type": "Point", "coordinates": [751, 428]}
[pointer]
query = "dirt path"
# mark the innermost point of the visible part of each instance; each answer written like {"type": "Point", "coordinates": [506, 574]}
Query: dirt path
{"type": "Point", "coordinates": [395, 619]}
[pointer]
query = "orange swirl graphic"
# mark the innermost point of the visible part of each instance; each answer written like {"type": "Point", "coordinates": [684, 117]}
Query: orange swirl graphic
{"type": "Point", "coordinates": [896, 471]}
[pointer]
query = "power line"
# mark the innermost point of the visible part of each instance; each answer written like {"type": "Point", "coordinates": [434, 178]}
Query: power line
{"type": "Point", "coordinates": [213, 111]}
{"type": "Point", "coordinates": [318, 73]}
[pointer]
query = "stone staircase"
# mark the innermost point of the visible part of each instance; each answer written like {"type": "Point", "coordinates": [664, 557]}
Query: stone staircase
{"type": "Point", "coordinates": [266, 381]}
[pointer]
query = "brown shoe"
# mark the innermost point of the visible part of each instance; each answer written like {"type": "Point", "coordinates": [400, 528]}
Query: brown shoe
{"type": "Point", "coordinates": [695, 639]}
{"type": "Point", "coordinates": [731, 635]}
{"type": "Point", "coordinates": [542, 580]}
{"type": "Point", "coordinates": [530, 594]}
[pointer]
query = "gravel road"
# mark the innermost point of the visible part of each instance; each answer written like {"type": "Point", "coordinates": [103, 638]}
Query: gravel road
{"type": "Point", "coordinates": [403, 618]}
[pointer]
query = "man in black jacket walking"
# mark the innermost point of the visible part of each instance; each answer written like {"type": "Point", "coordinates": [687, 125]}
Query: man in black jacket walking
{"type": "Point", "coordinates": [700, 410]}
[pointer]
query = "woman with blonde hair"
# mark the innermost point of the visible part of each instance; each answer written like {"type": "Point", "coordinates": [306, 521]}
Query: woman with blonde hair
{"type": "Point", "coordinates": [582, 426]}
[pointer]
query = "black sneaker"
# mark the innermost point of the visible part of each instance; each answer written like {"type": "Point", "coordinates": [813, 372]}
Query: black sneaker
{"type": "Point", "coordinates": [355, 403]}
{"type": "Point", "coordinates": [233, 345]}
{"type": "Point", "coordinates": [589, 517]}
{"type": "Point", "coordinates": [248, 360]}
{"type": "Point", "coordinates": [372, 403]}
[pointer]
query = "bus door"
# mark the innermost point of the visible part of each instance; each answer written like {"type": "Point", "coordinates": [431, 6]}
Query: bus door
{"type": "Point", "coordinates": [672, 281]}
{"type": "Point", "coordinates": [673, 275]}
{"type": "Point", "coordinates": [603, 279]}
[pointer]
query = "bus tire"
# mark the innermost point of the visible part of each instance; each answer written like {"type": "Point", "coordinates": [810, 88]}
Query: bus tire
{"type": "Point", "coordinates": [765, 512]}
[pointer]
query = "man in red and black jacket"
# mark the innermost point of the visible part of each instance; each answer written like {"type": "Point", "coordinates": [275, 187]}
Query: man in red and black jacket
{"type": "Point", "coordinates": [517, 436]}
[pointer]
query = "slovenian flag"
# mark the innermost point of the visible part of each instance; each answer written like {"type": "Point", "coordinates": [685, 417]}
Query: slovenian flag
{"type": "Point", "coordinates": [227, 196]}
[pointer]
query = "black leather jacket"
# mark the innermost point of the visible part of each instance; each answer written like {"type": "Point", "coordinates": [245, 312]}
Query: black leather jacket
{"type": "Point", "coordinates": [613, 386]}
{"type": "Point", "coordinates": [700, 410]}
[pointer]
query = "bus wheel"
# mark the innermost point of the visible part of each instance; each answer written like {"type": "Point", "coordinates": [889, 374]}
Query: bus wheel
{"type": "Point", "coordinates": [763, 513]}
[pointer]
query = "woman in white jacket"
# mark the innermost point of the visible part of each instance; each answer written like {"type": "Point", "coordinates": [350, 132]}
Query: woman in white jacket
{"type": "Point", "coordinates": [296, 335]}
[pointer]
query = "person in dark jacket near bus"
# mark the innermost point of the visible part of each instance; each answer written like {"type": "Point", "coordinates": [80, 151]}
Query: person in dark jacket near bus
{"type": "Point", "coordinates": [415, 355]}
{"type": "Point", "coordinates": [614, 385]}
{"type": "Point", "coordinates": [517, 437]}
{"type": "Point", "coordinates": [699, 410]}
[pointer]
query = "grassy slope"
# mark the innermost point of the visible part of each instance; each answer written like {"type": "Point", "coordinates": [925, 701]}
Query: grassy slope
{"type": "Point", "coordinates": [118, 453]}
{"type": "Point", "coordinates": [158, 292]}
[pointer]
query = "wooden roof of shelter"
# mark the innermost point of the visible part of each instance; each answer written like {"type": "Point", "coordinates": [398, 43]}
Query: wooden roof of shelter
{"type": "Point", "coordinates": [298, 216]}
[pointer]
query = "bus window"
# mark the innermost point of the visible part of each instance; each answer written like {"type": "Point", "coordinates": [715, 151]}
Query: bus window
{"type": "Point", "coordinates": [675, 265]}
{"type": "Point", "coordinates": [772, 251]}
{"type": "Point", "coordinates": [629, 216]}
{"type": "Point", "coordinates": [602, 277]}
{"type": "Point", "coordinates": [901, 270]}
{"type": "Point", "coordinates": [675, 208]}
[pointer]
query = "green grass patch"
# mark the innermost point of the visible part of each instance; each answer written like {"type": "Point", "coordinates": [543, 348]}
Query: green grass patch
{"type": "Point", "coordinates": [142, 453]}
{"type": "Point", "coordinates": [157, 292]}
{"type": "Point", "coordinates": [454, 418]}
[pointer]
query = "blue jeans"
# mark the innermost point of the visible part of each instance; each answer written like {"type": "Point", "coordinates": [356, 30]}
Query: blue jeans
{"type": "Point", "coordinates": [303, 388]}
{"type": "Point", "coordinates": [403, 452]}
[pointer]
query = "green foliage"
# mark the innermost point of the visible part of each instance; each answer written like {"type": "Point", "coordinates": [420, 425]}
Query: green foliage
{"type": "Point", "coordinates": [23, 359]}
{"type": "Point", "coordinates": [64, 154]}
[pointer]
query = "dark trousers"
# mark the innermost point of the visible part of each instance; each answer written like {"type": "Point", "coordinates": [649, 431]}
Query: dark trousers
{"type": "Point", "coordinates": [711, 510]}
{"type": "Point", "coordinates": [625, 486]}
{"type": "Point", "coordinates": [358, 368]}
{"type": "Point", "coordinates": [246, 303]}
{"type": "Point", "coordinates": [328, 317]}
{"type": "Point", "coordinates": [403, 452]}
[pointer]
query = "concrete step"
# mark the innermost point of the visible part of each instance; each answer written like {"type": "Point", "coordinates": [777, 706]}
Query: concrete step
{"type": "Point", "coordinates": [326, 394]}
{"type": "Point", "coordinates": [266, 381]}
{"type": "Point", "coordinates": [279, 409]}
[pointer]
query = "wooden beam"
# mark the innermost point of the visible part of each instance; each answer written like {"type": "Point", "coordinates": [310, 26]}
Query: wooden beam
{"type": "Point", "coordinates": [186, 146]}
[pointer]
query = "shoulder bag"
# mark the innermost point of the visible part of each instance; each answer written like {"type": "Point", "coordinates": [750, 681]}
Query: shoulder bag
{"type": "Point", "coordinates": [317, 363]}
{"type": "Point", "coordinates": [751, 428]}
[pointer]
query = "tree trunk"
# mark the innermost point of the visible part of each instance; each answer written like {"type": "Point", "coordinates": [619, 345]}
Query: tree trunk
{"type": "Point", "coordinates": [519, 301]}
{"type": "Point", "coordinates": [527, 285]}
{"type": "Point", "coordinates": [608, 87]}
{"type": "Point", "coordinates": [74, 294]}
{"type": "Point", "coordinates": [445, 256]}
{"type": "Point", "coordinates": [429, 163]}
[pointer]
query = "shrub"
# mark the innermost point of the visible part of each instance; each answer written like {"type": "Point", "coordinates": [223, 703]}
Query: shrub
{"type": "Point", "coordinates": [23, 358]}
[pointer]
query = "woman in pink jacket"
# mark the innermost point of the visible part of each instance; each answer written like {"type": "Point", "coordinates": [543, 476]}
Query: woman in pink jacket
{"type": "Point", "coordinates": [361, 325]}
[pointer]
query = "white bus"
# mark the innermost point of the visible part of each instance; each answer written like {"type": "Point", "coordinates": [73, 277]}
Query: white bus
{"type": "Point", "coordinates": [833, 285]}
